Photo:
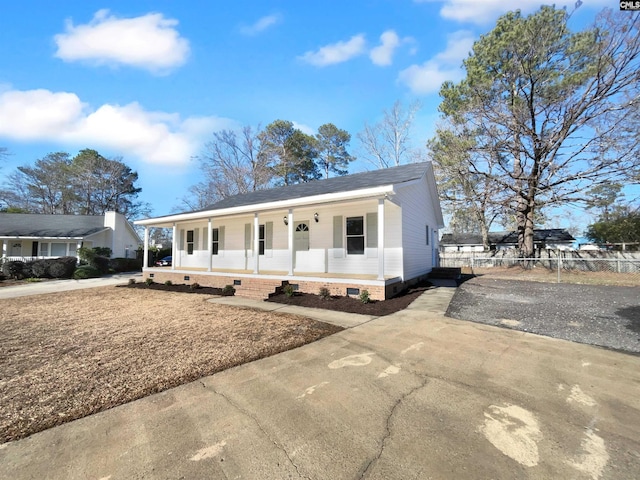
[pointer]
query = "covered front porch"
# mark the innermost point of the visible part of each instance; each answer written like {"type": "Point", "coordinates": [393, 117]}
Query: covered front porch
{"type": "Point", "coordinates": [27, 249]}
{"type": "Point", "coordinates": [346, 247]}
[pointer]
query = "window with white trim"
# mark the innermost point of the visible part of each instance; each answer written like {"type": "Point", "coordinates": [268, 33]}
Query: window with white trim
{"type": "Point", "coordinates": [58, 249]}
{"type": "Point", "coordinates": [261, 240]}
{"type": "Point", "coordinates": [355, 235]}
{"type": "Point", "coordinates": [190, 242]}
{"type": "Point", "coordinates": [215, 240]}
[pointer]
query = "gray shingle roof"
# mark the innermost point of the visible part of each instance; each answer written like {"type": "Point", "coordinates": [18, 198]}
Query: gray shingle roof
{"type": "Point", "coordinates": [347, 183]}
{"type": "Point", "coordinates": [543, 235]}
{"type": "Point", "coordinates": [34, 225]}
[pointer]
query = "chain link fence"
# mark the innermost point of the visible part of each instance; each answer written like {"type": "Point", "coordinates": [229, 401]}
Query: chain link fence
{"type": "Point", "coordinates": [615, 268]}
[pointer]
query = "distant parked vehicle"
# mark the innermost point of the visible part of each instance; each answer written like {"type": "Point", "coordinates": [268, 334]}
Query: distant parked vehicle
{"type": "Point", "coordinates": [164, 262]}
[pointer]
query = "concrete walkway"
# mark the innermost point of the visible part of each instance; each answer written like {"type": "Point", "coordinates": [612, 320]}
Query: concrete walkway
{"type": "Point", "coordinates": [413, 395]}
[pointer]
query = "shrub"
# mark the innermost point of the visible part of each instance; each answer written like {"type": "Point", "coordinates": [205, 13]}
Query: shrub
{"type": "Point", "coordinates": [63, 267]}
{"type": "Point", "coordinates": [33, 280]}
{"type": "Point", "coordinates": [324, 293]}
{"type": "Point", "coordinates": [16, 269]}
{"type": "Point", "coordinates": [86, 271]}
{"type": "Point", "coordinates": [125, 264]}
{"type": "Point", "coordinates": [40, 268]}
{"type": "Point", "coordinates": [132, 281]}
{"type": "Point", "coordinates": [228, 291]}
{"type": "Point", "coordinates": [168, 283]}
{"type": "Point", "coordinates": [364, 296]}
{"type": "Point", "coordinates": [194, 286]}
{"type": "Point", "coordinates": [149, 281]}
{"type": "Point", "coordinates": [288, 290]}
{"type": "Point", "coordinates": [94, 257]}
{"type": "Point", "coordinates": [102, 251]}
{"type": "Point", "coordinates": [101, 263]}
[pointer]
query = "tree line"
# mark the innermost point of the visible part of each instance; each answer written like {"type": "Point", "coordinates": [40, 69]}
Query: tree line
{"type": "Point", "coordinates": [257, 158]}
{"type": "Point", "coordinates": [86, 184]}
{"type": "Point", "coordinates": [543, 116]}
{"type": "Point", "coordinates": [281, 154]}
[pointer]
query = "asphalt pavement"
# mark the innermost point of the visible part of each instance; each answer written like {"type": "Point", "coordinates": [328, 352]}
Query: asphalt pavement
{"type": "Point", "coordinates": [413, 395]}
{"type": "Point", "coordinates": [601, 315]}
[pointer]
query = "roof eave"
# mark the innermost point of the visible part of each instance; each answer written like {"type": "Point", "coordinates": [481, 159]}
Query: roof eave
{"type": "Point", "coordinates": [278, 205]}
{"type": "Point", "coordinates": [31, 237]}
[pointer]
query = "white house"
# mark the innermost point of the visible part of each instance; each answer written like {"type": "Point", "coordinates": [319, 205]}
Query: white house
{"type": "Point", "coordinates": [26, 236]}
{"type": "Point", "coordinates": [374, 230]}
{"type": "Point", "coordinates": [543, 238]}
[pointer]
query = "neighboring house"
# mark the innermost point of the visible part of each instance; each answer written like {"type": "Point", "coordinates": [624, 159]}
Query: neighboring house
{"type": "Point", "coordinates": [371, 231]}
{"type": "Point", "coordinates": [552, 238]}
{"type": "Point", "coordinates": [26, 236]}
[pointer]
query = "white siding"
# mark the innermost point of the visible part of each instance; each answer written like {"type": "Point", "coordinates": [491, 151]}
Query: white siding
{"type": "Point", "coordinates": [319, 258]}
{"type": "Point", "coordinates": [417, 213]}
{"type": "Point", "coordinates": [124, 241]}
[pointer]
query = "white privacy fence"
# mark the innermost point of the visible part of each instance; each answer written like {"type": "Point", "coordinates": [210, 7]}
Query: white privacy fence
{"type": "Point", "coordinates": [560, 262]}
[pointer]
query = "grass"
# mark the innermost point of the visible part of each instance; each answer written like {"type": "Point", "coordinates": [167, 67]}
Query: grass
{"type": "Point", "coordinates": [70, 354]}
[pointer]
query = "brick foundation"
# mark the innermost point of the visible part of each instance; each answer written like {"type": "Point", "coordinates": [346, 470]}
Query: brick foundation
{"type": "Point", "coordinates": [260, 288]}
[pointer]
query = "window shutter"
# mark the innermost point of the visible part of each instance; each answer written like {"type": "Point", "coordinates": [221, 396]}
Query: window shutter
{"type": "Point", "coordinates": [268, 241]}
{"type": "Point", "coordinates": [181, 240]}
{"type": "Point", "coordinates": [247, 236]}
{"type": "Point", "coordinates": [337, 231]}
{"type": "Point", "coordinates": [221, 238]}
{"type": "Point", "coordinates": [205, 237]}
{"type": "Point", "coordinates": [195, 238]}
{"type": "Point", "coordinates": [372, 230]}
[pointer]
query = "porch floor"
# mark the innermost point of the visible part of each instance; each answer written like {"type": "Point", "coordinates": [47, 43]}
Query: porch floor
{"type": "Point", "coordinates": [279, 273]}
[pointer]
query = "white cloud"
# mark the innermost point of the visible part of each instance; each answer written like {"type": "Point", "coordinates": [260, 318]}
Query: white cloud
{"type": "Point", "coordinates": [129, 130]}
{"type": "Point", "coordinates": [261, 25]}
{"type": "Point", "coordinates": [486, 11]}
{"type": "Point", "coordinates": [150, 42]}
{"type": "Point", "coordinates": [337, 52]}
{"type": "Point", "coordinates": [304, 128]}
{"type": "Point", "coordinates": [446, 65]}
{"type": "Point", "coordinates": [382, 55]}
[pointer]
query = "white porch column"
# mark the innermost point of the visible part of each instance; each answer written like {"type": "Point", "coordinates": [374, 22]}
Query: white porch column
{"type": "Point", "coordinates": [174, 243]}
{"type": "Point", "coordinates": [209, 236]}
{"type": "Point", "coordinates": [256, 243]}
{"type": "Point", "coordinates": [381, 239]}
{"type": "Point", "coordinates": [78, 247]}
{"type": "Point", "coordinates": [290, 240]}
{"type": "Point", "coordinates": [4, 248]}
{"type": "Point", "coordinates": [145, 251]}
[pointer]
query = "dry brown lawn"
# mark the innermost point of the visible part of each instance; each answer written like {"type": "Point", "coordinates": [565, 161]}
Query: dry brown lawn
{"type": "Point", "coordinates": [67, 355]}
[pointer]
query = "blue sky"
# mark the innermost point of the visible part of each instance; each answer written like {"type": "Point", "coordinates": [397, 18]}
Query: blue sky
{"type": "Point", "coordinates": [149, 81]}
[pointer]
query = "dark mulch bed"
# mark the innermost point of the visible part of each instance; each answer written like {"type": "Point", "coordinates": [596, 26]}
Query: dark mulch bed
{"type": "Point", "coordinates": [354, 305]}
{"type": "Point", "coordinates": [336, 303]}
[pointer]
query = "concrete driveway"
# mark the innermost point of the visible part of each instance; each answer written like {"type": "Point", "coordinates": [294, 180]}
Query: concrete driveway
{"type": "Point", "coordinates": [414, 395]}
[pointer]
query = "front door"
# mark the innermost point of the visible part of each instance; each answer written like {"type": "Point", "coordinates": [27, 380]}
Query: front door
{"type": "Point", "coordinates": [301, 236]}
{"type": "Point", "coordinates": [16, 249]}
{"type": "Point", "coordinates": [300, 243]}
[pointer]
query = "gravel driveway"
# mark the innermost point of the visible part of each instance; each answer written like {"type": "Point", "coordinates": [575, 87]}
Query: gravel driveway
{"type": "Point", "coordinates": [597, 315]}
